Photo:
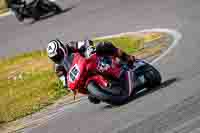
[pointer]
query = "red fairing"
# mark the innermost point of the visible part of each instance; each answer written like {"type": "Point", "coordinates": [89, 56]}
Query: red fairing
{"type": "Point", "coordinates": [99, 80]}
{"type": "Point", "coordinates": [83, 70]}
{"type": "Point", "coordinates": [91, 63]}
{"type": "Point", "coordinates": [76, 72]}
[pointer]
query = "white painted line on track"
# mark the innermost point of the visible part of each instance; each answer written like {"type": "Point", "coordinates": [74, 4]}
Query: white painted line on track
{"type": "Point", "coordinates": [176, 36]}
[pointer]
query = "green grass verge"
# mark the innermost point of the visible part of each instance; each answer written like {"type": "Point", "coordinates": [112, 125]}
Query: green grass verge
{"type": "Point", "coordinates": [28, 83]}
{"type": "Point", "coordinates": [129, 44]}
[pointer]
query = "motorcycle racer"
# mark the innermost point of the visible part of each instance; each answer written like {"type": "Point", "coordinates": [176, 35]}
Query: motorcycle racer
{"type": "Point", "coordinates": [62, 55]}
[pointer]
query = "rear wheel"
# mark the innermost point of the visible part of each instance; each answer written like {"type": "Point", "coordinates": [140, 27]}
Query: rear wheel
{"type": "Point", "coordinates": [57, 9]}
{"type": "Point", "coordinates": [33, 13]}
{"type": "Point", "coordinates": [54, 7]}
{"type": "Point", "coordinates": [151, 75]}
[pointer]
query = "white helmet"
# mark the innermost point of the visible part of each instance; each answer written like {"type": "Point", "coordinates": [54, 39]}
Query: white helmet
{"type": "Point", "coordinates": [56, 51]}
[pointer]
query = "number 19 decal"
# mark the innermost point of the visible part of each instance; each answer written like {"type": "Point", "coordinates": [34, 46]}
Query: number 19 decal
{"type": "Point", "coordinates": [73, 73]}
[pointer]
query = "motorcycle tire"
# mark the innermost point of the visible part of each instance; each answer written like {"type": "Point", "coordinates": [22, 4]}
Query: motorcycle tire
{"type": "Point", "coordinates": [19, 17]}
{"type": "Point", "coordinates": [54, 7]}
{"type": "Point", "coordinates": [58, 9]}
{"type": "Point", "coordinates": [93, 99]}
{"type": "Point", "coordinates": [104, 95]}
{"type": "Point", "coordinates": [152, 76]}
{"type": "Point", "coordinates": [36, 15]}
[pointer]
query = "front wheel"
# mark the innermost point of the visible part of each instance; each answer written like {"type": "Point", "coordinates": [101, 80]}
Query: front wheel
{"type": "Point", "coordinates": [18, 14]}
{"type": "Point", "coordinates": [113, 95]}
{"type": "Point", "coordinates": [19, 17]}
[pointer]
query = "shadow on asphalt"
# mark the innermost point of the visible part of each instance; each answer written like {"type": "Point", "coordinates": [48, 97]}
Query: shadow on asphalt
{"type": "Point", "coordinates": [164, 84]}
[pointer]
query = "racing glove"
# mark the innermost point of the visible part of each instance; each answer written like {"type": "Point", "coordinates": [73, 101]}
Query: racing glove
{"type": "Point", "coordinates": [129, 59]}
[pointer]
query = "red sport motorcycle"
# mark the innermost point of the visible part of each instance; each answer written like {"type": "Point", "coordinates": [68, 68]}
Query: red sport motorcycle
{"type": "Point", "coordinates": [96, 76]}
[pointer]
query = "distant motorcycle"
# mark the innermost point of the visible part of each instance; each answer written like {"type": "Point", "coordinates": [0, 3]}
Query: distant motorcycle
{"type": "Point", "coordinates": [35, 9]}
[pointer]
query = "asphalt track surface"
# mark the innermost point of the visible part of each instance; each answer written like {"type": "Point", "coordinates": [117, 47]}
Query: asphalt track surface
{"type": "Point", "coordinates": [173, 108]}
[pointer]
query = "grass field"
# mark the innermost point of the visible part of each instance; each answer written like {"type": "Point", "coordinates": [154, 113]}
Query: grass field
{"type": "Point", "coordinates": [28, 82]}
